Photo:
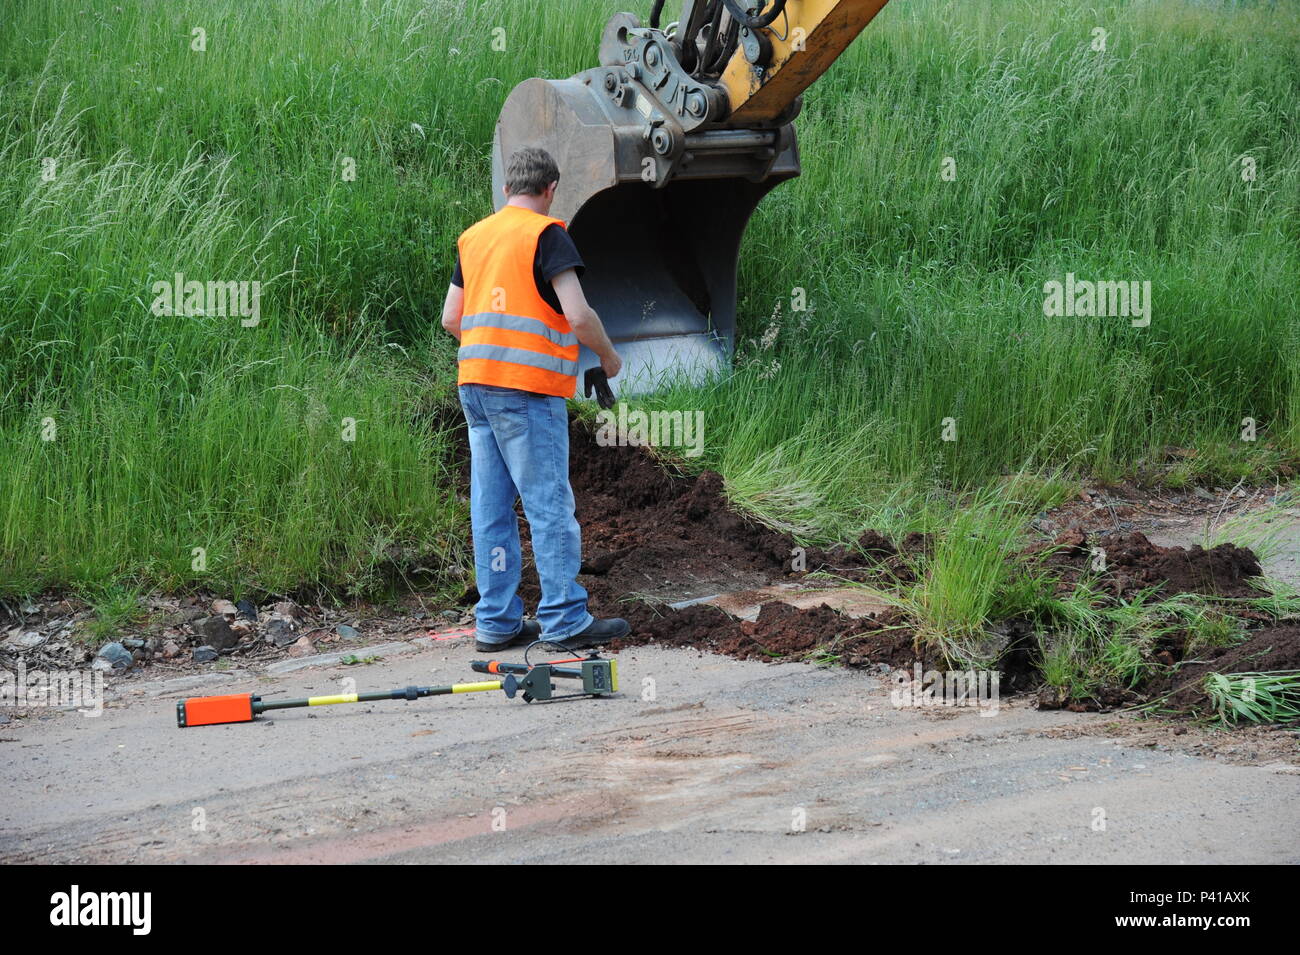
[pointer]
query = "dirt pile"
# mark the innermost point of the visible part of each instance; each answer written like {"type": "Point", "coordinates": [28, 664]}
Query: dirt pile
{"type": "Point", "coordinates": [1130, 563]}
{"type": "Point", "coordinates": [1267, 650]}
{"type": "Point", "coordinates": [649, 531]}
{"type": "Point", "coordinates": [781, 632]}
{"type": "Point", "coordinates": [652, 533]}
{"type": "Point", "coordinates": [652, 536]}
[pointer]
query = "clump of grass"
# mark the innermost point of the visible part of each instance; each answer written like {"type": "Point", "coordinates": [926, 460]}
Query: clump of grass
{"type": "Point", "coordinates": [1280, 600]}
{"type": "Point", "coordinates": [969, 581]}
{"type": "Point", "coordinates": [1264, 530]}
{"type": "Point", "coordinates": [1099, 642]}
{"type": "Point", "coordinates": [1272, 697]}
{"type": "Point", "coordinates": [114, 606]}
{"type": "Point", "coordinates": [1212, 629]}
{"type": "Point", "coordinates": [1083, 661]}
{"type": "Point", "coordinates": [1064, 664]}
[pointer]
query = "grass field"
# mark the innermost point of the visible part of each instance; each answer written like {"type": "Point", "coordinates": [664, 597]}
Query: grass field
{"type": "Point", "coordinates": [139, 450]}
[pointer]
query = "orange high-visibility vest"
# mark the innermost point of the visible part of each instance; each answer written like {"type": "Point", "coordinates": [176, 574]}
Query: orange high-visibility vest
{"type": "Point", "coordinates": [509, 336]}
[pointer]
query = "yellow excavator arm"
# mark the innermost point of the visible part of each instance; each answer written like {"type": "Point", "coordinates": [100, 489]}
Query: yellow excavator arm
{"type": "Point", "coordinates": [665, 150]}
{"type": "Point", "coordinates": [774, 64]}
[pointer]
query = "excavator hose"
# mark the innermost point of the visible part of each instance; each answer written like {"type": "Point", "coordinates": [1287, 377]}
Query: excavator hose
{"type": "Point", "coordinates": [713, 50]}
{"type": "Point", "coordinates": [741, 16]}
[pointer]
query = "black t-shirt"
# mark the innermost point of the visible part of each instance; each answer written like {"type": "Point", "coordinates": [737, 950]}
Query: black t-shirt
{"type": "Point", "coordinates": [555, 254]}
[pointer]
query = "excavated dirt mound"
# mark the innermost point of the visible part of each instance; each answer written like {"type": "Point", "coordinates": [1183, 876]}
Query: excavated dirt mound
{"type": "Point", "coordinates": [1267, 650]}
{"type": "Point", "coordinates": [651, 536]}
{"type": "Point", "coordinates": [780, 632]}
{"type": "Point", "coordinates": [1132, 563]}
{"type": "Point", "coordinates": [650, 533]}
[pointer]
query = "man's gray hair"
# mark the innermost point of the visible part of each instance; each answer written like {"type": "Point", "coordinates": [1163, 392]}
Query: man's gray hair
{"type": "Point", "coordinates": [529, 171]}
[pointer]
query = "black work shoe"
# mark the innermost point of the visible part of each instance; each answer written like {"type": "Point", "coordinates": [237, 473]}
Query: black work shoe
{"type": "Point", "coordinates": [598, 632]}
{"type": "Point", "coordinates": [529, 632]}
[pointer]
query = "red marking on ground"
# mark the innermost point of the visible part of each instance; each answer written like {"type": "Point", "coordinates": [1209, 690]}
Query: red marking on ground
{"type": "Point", "coordinates": [456, 634]}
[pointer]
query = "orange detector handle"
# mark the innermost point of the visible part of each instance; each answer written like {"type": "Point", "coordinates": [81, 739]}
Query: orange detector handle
{"type": "Point", "coordinates": [208, 710]}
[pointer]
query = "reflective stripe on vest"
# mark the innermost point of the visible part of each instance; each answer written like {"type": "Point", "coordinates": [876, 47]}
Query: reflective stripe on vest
{"type": "Point", "coordinates": [518, 323]}
{"type": "Point", "coordinates": [510, 336]}
{"type": "Point", "coordinates": [520, 356]}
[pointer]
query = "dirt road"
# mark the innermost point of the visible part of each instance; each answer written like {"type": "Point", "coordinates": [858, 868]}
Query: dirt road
{"type": "Point", "coordinates": [700, 759]}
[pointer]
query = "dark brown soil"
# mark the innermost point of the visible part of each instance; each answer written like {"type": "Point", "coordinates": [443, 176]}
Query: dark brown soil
{"type": "Point", "coordinates": [652, 535]}
{"type": "Point", "coordinates": [1269, 649]}
{"type": "Point", "coordinates": [780, 632]}
{"type": "Point", "coordinates": [1133, 563]}
{"type": "Point", "coordinates": [648, 531]}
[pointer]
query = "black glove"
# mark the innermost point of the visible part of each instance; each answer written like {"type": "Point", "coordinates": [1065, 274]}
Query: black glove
{"type": "Point", "coordinates": [595, 380]}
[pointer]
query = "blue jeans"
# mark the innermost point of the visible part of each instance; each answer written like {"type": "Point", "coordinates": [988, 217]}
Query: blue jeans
{"type": "Point", "coordinates": [519, 447]}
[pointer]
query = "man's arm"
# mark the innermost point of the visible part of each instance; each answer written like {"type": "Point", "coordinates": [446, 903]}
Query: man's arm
{"type": "Point", "coordinates": [584, 321]}
{"type": "Point", "coordinates": [452, 310]}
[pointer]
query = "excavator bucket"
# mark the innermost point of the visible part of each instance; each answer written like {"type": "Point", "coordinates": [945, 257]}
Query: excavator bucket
{"type": "Point", "coordinates": [664, 151]}
{"type": "Point", "coordinates": [655, 205]}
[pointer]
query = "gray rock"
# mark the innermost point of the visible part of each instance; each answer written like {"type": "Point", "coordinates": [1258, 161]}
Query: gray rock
{"type": "Point", "coordinates": [246, 609]}
{"type": "Point", "coordinates": [347, 633]}
{"type": "Point", "coordinates": [216, 633]}
{"type": "Point", "coordinates": [112, 656]}
{"type": "Point", "coordinates": [287, 608]}
{"type": "Point", "coordinates": [279, 632]}
{"type": "Point", "coordinates": [204, 654]}
{"type": "Point", "coordinates": [26, 641]}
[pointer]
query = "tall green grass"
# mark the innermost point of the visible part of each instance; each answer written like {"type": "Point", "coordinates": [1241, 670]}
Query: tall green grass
{"type": "Point", "coordinates": [926, 296]}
